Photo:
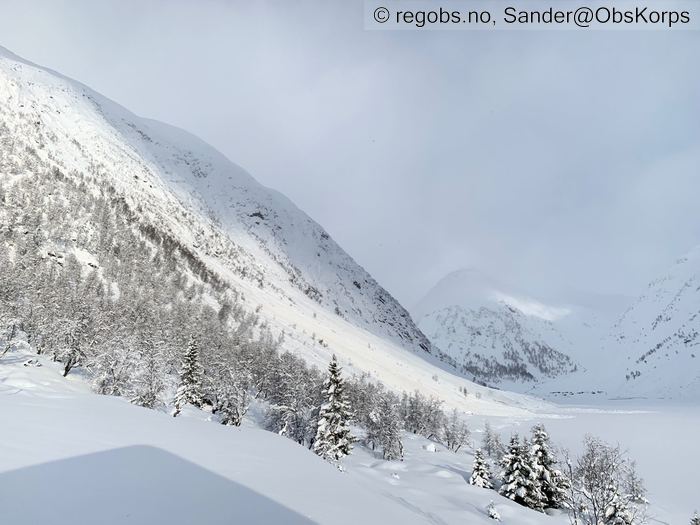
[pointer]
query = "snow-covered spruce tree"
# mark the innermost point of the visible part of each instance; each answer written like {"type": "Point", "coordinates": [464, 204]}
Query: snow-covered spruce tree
{"type": "Point", "coordinates": [481, 475]}
{"type": "Point", "coordinates": [333, 438]}
{"type": "Point", "coordinates": [695, 520]}
{"type": "Point", "coordinates": [552, 482]}
{"type": "Point", "coordinates": [189, 390]}
{"type": "Point", "coordinates": [384, 427]}
{"type": "Point", "coordinates": [455, 432]}
{"type": "Point", "coordinates": [519, 478]}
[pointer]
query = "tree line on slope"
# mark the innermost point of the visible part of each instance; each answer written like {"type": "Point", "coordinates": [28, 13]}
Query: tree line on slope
{"type": "Point", "coordinates": [317, 411]}
{"type": "Point", "coordinates": [98, 293]}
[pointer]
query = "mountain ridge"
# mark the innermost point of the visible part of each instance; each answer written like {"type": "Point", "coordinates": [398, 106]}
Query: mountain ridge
{"type": "Point", "coordinates": [496, 335]}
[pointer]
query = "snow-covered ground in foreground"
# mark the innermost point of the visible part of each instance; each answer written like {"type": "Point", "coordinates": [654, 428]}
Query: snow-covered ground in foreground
{"type": "Point", "coordinates": [65, 453]}
{"type": "Point", "coordinates": [70, 456]}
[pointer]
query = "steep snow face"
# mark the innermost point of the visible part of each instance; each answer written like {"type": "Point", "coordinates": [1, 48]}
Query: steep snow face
{"type": "Point", "coordinates": [656, 343]}
{"type": "Point", "coordinates": [248, 239]}
{"type": "Point", "coordinates": [281, 244]}
{"type": "Point", "coordinates": [295, 250]}
{"type": "Point", "coordinates": [495, 335]}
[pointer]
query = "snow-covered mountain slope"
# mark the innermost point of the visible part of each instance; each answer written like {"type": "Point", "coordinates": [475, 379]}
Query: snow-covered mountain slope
{"type": "Point", "coordinates": [194, 205]}
{"type": "Point", "coordinates": [156, 164]}
{"type": "Point", "coordinates": [495, 335]}
{"type": "Point", "coordinates": [655, 346]}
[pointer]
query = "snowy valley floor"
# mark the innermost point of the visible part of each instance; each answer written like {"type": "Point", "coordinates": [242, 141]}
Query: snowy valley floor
{"type": "Point", "coordinates": [68, 456]}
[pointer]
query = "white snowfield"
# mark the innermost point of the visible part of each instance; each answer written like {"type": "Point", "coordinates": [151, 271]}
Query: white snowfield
{"type": "Point", "coordinates": [71, 457]}
{"type": "Point", "coordinates": [274, 256]}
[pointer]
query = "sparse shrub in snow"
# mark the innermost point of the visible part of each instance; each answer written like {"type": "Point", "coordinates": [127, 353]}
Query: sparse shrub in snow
{"type": "Point", "coordinates": [232, 400]}
{"type": "Point", "coordinates": [492, 512]}
{"type": "Point", "coordinates": [695, 520]}
{"type": "Point", "coordinates": [552, 482]}
{"type": "Point", "coordinates": [455, 432]}
{"type": "Point", "coordinates": [603, 487]}
{"type": "Point", "coordinates": [519, 476]}
{"type": "Point", "coordinates": [491, 444]}
{"type": "Point", "coordinates": [73, 333]}
{"type": "Point", "coordinates": [481, 475]}
{"type": "Point", "coordinates": [113, 370]}
{"type": "Point", "coordinates": [189, 390]}
{"type": "Point", "coordinates": [422, 415]}
{"type": "Point", "coordinates": [384, 428]}
{"type": "Point", "coordinates": [617, 511]}
{"type": "Point", "coordinates": [295, 400]}
{"type": "Point", "coordinates": [149, 381]}
{"type": "Point", "coordinates": [333, 438]}
{"type": "Point", "coordinates": [9, 337]}
{"type": "Point", "coordinates": [635, 485]}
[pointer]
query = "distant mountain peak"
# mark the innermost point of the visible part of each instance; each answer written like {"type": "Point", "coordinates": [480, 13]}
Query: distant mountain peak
{"type": "Point", "coordinates": [492, 332]}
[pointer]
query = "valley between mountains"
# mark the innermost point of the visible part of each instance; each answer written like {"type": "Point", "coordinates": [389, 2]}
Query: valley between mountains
{"type": "Point", "coordinates": [145, 275]}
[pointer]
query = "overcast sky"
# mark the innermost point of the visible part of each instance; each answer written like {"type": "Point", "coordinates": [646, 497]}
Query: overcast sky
{"type": "Point", "coordinates": [559, 161]}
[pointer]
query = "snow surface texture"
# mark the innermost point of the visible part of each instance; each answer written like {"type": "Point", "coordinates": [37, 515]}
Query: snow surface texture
{"type": "Point", "coordinates": [280, 262]}
{"type": "Point", "coordinates": [65, 453]}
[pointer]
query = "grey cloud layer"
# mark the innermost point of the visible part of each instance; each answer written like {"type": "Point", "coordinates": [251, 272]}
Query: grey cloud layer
{"type": "Point", "coordinates": [561, 161]}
